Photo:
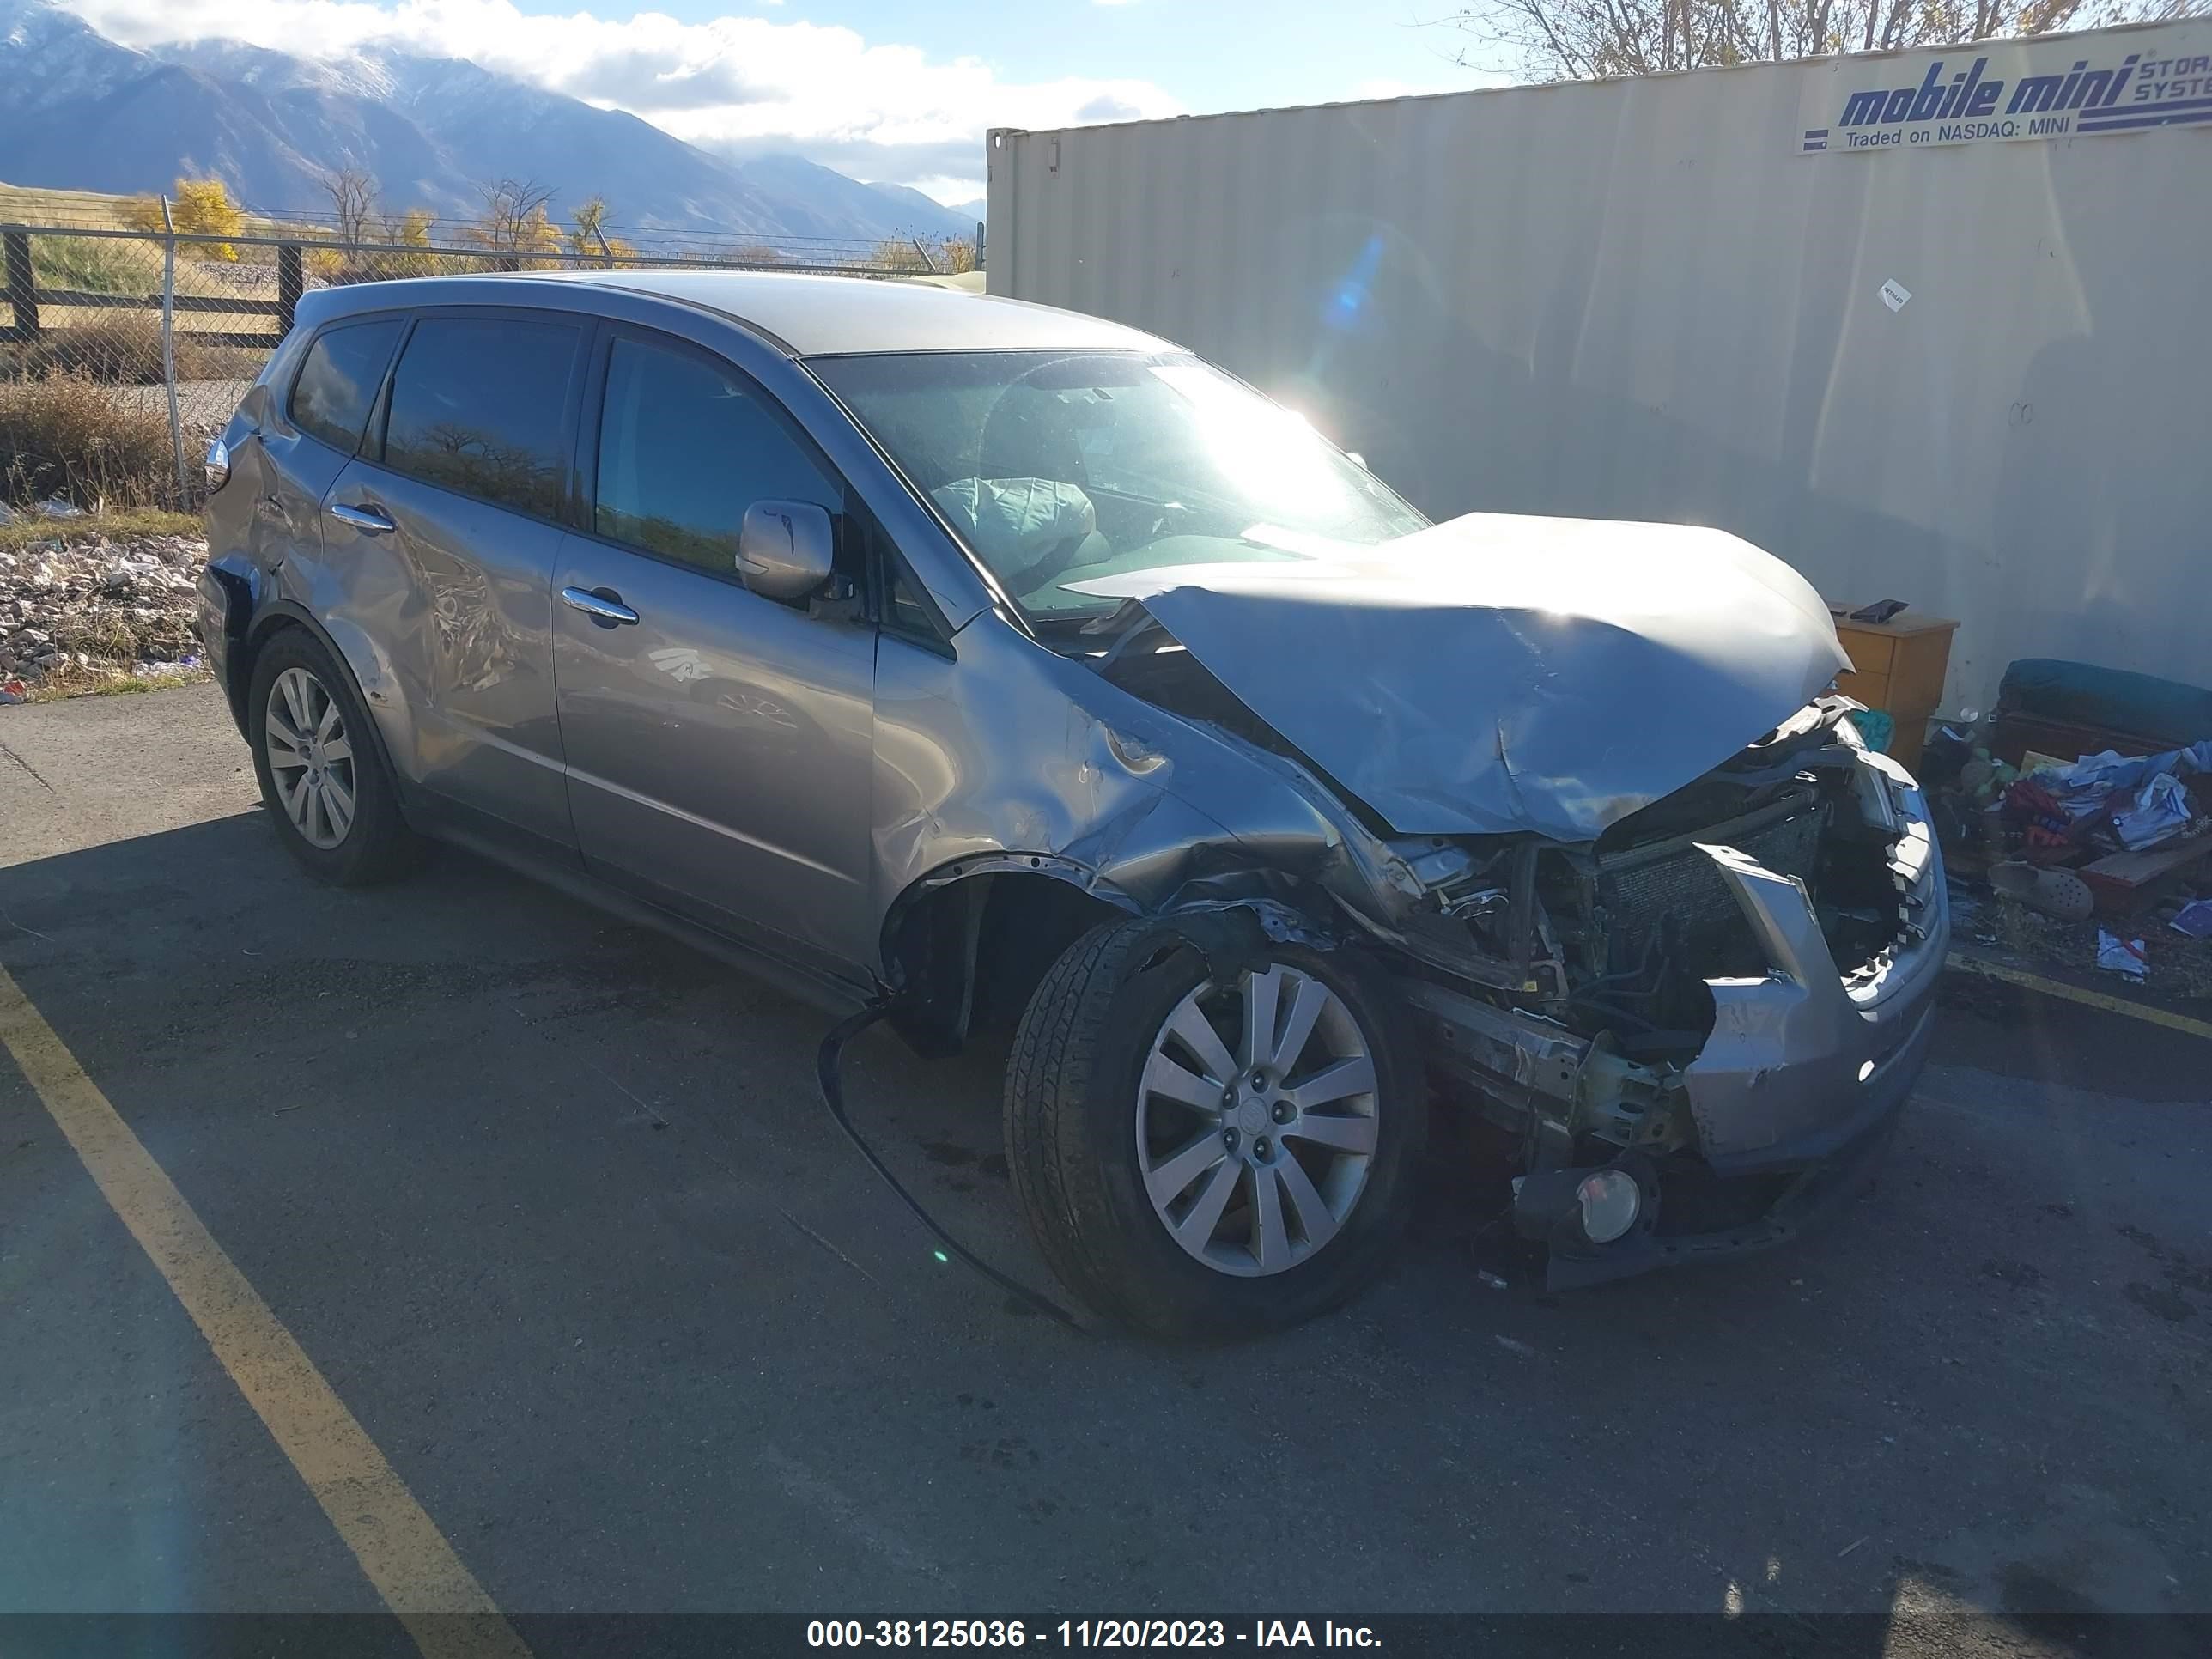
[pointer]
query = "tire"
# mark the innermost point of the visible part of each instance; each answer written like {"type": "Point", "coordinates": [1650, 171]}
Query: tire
{"type": "Point", "coordinates": [1086, 1129]}
{"type": "Point", "coordinates": [348, 830]}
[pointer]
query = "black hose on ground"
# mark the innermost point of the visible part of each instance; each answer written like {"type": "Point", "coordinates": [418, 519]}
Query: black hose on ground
{"type": "Point", "coordinates": [826, 1064]}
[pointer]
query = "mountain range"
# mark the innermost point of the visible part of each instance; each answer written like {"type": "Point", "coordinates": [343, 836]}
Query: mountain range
{"type": "Point", "coordinates": [85, 112]}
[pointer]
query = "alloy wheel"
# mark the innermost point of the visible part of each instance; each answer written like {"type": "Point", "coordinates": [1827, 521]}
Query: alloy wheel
{"type": "Point", "coordinates": [1256, 1121]}
{"type": "Point", "coordinates": [310, 758]}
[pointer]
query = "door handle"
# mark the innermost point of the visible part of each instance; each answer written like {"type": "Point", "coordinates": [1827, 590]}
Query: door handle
{"type": "Point", "coordinates": [369, 520]}
{"type": "Point", "coordinates": [603, 605]}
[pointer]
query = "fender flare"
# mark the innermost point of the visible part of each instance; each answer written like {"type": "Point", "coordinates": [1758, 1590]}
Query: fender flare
{"type": "Point", "coordinates": [373, 678]}
{"type": "Point", "coordinates": [931, 978]}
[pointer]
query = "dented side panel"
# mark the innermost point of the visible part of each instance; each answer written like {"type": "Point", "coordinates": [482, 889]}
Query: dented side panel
{"type": "Point", "coordinates": [1013, 749]}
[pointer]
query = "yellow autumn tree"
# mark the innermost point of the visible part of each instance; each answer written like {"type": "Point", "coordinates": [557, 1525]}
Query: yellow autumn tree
{"type": "Point", "coordinates": [587, 235]}
{"type": "Point", "coordinates": [411, 232]}
{"type": "Point", "coordinates": [203, 207]}
{"type": "Point", "coordinates": [200, 207]}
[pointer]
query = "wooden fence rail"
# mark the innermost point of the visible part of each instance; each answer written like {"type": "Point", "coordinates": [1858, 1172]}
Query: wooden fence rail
{"type": "Point", "coordinates": [26, 299]}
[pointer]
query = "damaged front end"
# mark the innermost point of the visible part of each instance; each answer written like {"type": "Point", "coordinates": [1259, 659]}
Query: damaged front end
{"type": "Point", "coordinates": [1723, 1001]}
{"type": "Point", "coordinates": [1696, 1027]}
{"type": "Point", "coordinates": [1690, 976]}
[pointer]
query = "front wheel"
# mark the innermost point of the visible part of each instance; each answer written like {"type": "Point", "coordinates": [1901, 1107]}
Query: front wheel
{"type": "Point", "coordinates": [1210, 1143]}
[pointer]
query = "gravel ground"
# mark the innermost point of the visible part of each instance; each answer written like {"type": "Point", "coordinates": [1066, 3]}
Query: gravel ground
{"type": "Point", "coordinates": [97, 609]}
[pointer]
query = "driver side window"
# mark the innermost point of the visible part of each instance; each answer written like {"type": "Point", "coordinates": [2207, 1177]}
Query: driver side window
{"type": "Point", "coordinates": [686, 444]}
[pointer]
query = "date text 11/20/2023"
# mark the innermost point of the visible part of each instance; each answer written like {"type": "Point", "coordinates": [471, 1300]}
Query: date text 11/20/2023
{"type": "Point", "coordinates": [1086, 1633]}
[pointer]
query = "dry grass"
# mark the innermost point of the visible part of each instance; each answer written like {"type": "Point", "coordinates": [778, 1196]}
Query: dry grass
{"type": "Point", "coordinates": [118, 526]}
{"type": "Point", "coordinates": [28, 205]}
{"type": "Point", "coordinates": [62, 435]}
{"type": "Point", "coordinates": [98, 682]}
{"type": "Point", "coordinates": [124, 348]}
{"type": "Point", "coordinates": [92, 210]}
{"type": "Point", "coordinates": [96, 265]}
{"type": "Point", "coordinates": [116, 347]}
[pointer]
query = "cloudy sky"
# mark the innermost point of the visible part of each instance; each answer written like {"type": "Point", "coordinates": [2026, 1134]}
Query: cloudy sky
{"type": "Point", "coordinates": [886, 90]}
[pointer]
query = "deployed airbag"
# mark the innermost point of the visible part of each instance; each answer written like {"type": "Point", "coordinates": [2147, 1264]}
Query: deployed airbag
{"type": "Point", "coordinates": [1014, 524]}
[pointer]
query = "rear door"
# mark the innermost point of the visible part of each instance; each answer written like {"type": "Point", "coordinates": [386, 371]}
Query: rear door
{"type": "Point", "coordinates": [310, 430]}
{"type": "Point", "coordinates": [719, 744]}
{"type": "Point", "coordinates": [442, 535]}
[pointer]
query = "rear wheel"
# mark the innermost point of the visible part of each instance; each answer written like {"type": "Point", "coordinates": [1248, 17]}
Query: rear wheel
{"type": "Point", "coordinates": [1211, 1148]}
{"type": "Point", "coordinates": [321, 768]}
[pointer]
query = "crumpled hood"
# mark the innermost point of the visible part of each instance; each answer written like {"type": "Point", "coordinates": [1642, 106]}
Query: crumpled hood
{"type": "Point", "coordinates": [1501, 673]}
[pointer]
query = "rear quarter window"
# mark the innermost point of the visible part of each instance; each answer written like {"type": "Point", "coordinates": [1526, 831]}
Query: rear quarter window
{"type": "Point", "coordinates": [338, 381]}
{"type": "Point", "coordinates": [479, 406]}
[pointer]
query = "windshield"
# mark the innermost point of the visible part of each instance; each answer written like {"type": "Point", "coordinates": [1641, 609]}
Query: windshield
{"type": "Point", "coordinates": [1057, 468]}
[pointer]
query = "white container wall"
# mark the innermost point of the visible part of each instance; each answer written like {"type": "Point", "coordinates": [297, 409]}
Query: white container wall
{"type": "Point", "coordinates": [1929, 325]}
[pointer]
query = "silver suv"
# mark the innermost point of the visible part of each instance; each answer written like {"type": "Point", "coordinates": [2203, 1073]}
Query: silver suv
{"type": "Point", "coordinates": [1024, 673]}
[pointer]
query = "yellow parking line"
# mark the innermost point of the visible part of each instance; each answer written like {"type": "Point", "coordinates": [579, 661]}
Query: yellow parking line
{"type": "Point", "coordinates": [398, 1547]}
{"type": "Point", "coordinates": [2081, 993]}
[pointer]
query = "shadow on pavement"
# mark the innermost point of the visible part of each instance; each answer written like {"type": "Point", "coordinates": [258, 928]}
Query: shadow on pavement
{"type": "Point", "coordinates": [552, 1202]}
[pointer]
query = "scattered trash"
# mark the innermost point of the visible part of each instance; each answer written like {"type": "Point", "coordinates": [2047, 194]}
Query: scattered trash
{"type": "Point", "coordinates": [2194, 919]}
{"type": "Point", "coordinates": [2055, 892]}
{"type": "Point", "coordinates": [1876, 729]}
{"type": "Point", "coordinates": [2159, 811]}
{"type": "Point", "coordinates": [2142, 791]}
{"type": "Point", "coordinates": [1849, 1547]}
{"type": "Point", "coordinates": [2121, 955]}
{"type": "Point", "coordinates": [1491, 1279]}
{"type": "Point", "coordinates": [55, 507]}
{"type": "Point", "coordinates": [1516, 1345]}
{"type": "Point", "coordinates": [13, 691]}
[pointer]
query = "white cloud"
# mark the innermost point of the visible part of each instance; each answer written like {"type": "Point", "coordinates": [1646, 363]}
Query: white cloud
{"type": "Point", "coordinates": [884, 112]}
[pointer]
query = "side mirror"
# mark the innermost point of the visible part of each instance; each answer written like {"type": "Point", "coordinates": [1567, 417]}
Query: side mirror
{"type": "Point", "coordinates": [784, 548]}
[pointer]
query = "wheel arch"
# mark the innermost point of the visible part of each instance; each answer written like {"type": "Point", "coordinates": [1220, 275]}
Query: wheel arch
{"type": "Point", "coordinates": [963, 945]}
{"type": "Point", "coordinates": [374, 681]}
{"type": "Point", "coordinates": [941, 939]}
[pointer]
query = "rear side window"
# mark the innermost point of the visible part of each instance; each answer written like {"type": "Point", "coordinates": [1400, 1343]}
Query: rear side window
{"type": "Point", "coordinates": [685, 447]}
{"type": "Point", "coordinates": [477, 406]}
{"type": "Point", "coordinates": [338, 381]}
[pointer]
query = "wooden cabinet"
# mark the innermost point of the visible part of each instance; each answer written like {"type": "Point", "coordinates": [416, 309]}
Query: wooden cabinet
{"type": "Point", "coordinates": [1898, 666]}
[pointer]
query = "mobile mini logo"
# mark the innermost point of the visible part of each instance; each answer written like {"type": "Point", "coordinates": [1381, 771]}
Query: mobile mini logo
{"type": "Point", "coordinates": [1960, 102]}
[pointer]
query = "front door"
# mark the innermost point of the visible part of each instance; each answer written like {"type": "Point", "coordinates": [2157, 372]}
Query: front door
{"type": "Point", "coordinates": [718, 743]}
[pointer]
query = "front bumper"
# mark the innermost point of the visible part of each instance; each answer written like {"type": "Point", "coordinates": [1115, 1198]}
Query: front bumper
{"type": "Point", "coordinates": [1795, 1184]}
{"type": "Point", "coordinates": [1792, 1098]}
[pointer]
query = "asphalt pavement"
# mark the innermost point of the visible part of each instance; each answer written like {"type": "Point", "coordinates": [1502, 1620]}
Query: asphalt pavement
{"type": "Point", "coordinates": [552, 1205]}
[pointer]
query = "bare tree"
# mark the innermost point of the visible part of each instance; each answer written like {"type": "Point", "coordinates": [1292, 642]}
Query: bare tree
{"type": "Point", "coordinates": [352, 190]}
{"type": "Point", "coordinates": [1586, 39]}
{"type": "Point", "coordinates": [514, 215]}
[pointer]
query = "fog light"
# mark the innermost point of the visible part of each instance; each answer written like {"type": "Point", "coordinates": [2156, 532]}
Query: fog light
{"type": "Point", "coordinates": [1609, 1200]}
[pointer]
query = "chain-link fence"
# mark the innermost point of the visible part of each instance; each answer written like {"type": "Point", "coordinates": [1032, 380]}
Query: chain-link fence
{"type": "Point", "coordinates": [124, 350]}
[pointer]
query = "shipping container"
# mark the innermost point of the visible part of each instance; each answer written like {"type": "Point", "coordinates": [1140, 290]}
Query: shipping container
{"type": "Point", "coordinates": [1929, 326]}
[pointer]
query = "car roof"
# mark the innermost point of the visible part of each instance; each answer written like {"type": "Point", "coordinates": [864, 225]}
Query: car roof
{"type": "Point", "coordinates": [826, 316]}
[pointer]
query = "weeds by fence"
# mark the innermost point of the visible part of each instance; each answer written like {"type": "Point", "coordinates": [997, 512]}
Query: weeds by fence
{"type": "Point", "coordinates": [123, 350]}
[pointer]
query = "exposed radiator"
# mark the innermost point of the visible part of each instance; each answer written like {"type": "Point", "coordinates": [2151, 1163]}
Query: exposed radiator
{"type": "Point", "coordinates": [1667, 898]}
